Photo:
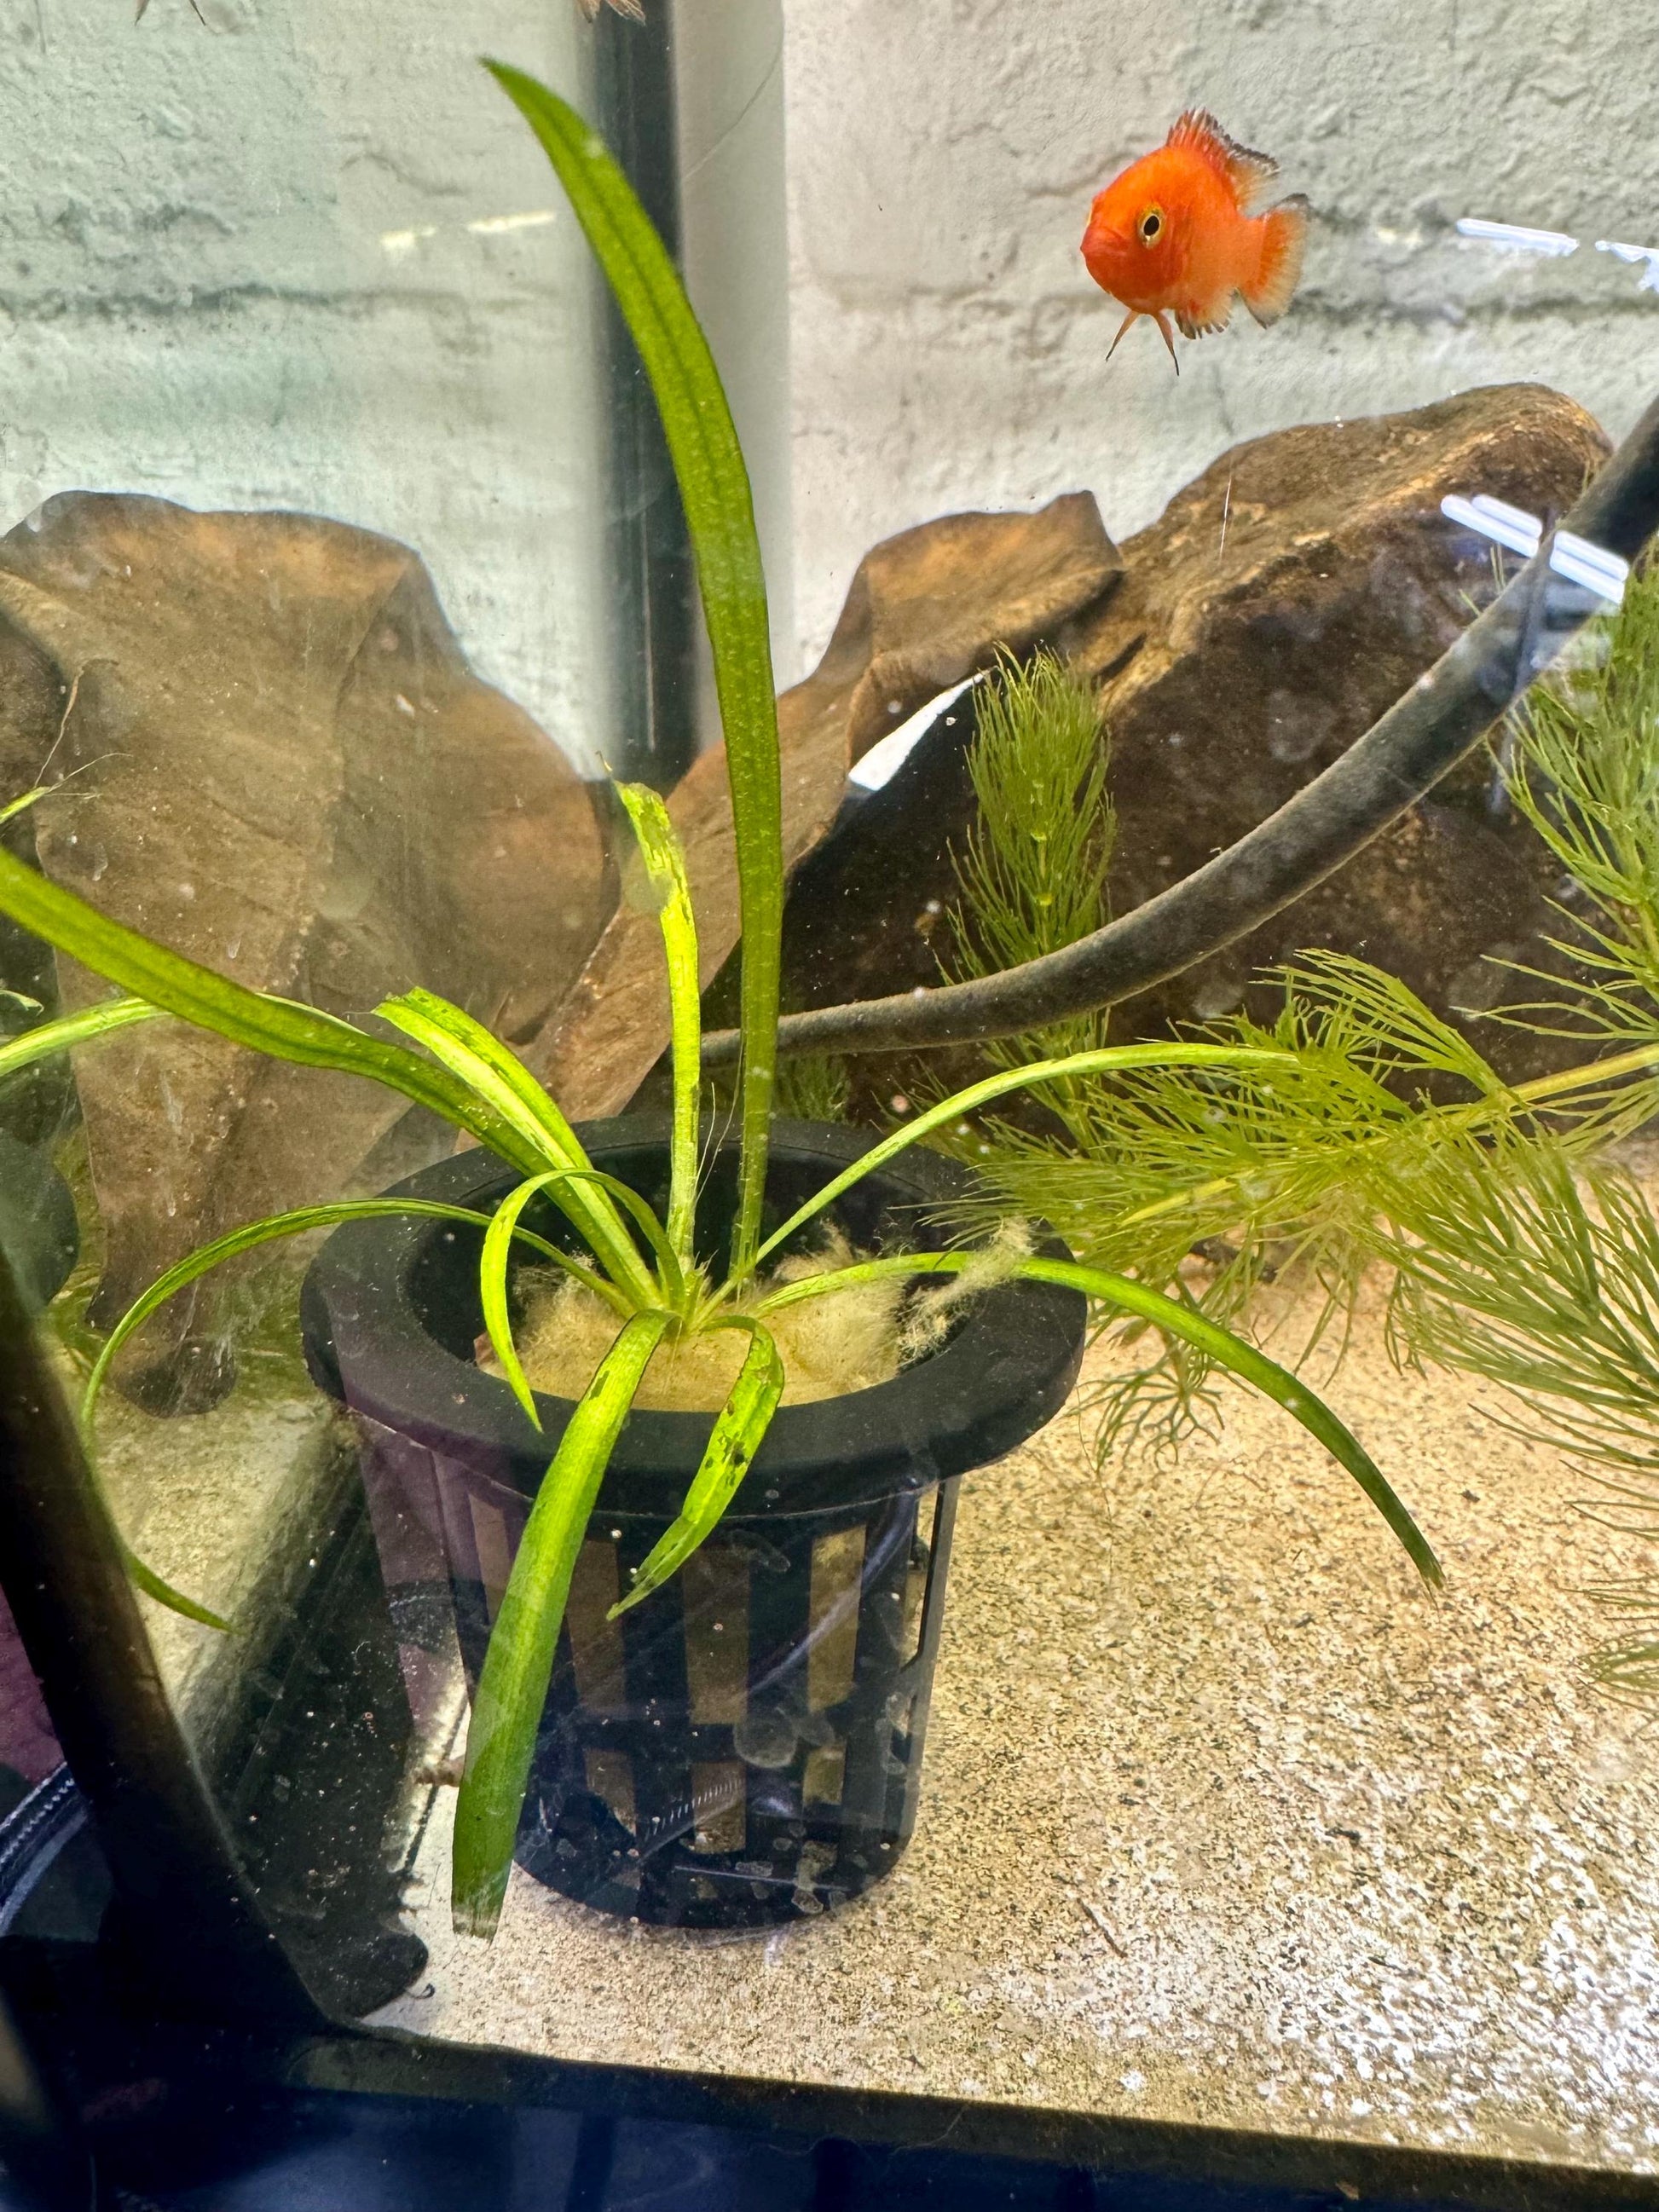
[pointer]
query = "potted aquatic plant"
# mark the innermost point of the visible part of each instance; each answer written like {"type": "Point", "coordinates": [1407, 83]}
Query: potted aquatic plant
{"type": "Point", "coordinates": [703, 1269]}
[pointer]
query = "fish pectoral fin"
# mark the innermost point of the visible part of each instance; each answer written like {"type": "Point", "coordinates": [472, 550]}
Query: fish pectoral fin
{"type": "Point", "coordinates": [1133, 316]}
{"type": "Point", "coordinates": [1194, 326]}
{"type": "Point", "coordinates": [1163, 322]}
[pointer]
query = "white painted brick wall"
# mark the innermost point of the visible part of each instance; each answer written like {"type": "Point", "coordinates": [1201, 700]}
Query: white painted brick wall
{"type": "Point", "coordinates": [235, 270]}
{"type": "Point", "coordinates": [197, 295]}
{"type": "Point", "coordinates": [305, 254]}
{"type": "Point", "coordinates": [949, 347]}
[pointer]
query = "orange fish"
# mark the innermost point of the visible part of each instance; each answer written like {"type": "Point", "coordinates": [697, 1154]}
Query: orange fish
{"type": "Point", "coordinates": [1173, 235]}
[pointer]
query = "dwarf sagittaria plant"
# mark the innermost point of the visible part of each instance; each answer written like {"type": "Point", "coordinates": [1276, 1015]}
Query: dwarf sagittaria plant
{"type": "Point", "coordinates": [645, 1269]}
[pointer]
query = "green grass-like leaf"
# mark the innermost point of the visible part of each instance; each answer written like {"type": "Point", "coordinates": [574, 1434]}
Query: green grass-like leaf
{"type": "Point", "coordinates": [200, 1262]}
{"type": "Point", "coordinates": [13, 807]}
{"type": "Point", "coordinates": [278, 1027]}
{"type": "Point", "coordinates": [492, 1275]}
{"type": "Point", "coordinates": [664, 866]}
{"type": "Point", "coordinates": [1220, 1346]}
{"type": "Point", "coordinates": [492, 1287]}
{"type": "Point", "coordinates": [145, 1578]}
{"type": "Point", "coordinates": [739, 1432]}
{"type": "Point", "coordinates": [499, 1078]}
{"type": "Point", "coordinates": [71, 1030]}
{"type": "Point", "coordinates": [714, 487]}
{"type": "Point", "coordinates": [518, 1663]}
{"type": "Point", "coordinates": [294, 1222]}
{"type": "Point", "coordinates": [1293, 1168]}
{"type": "Point", "coordinates": [1111, 1058]}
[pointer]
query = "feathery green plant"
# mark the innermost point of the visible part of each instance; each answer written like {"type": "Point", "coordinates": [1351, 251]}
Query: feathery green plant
{"type": "Point", "coordinates": [814, 1087]}
{"type": "Point", "coordinates": [1031, 878]}
{"type": "Point", "coordinates": [1304, 1165]}
{"type": "Point", "coordinates": [1584, 770]}
{"type": "Point", "coordinates": [1528, 1267]}
{"type": "Point", "coordinates": [1513, 1248]}
{"type": "Point", "coordinates": [646, 1270]}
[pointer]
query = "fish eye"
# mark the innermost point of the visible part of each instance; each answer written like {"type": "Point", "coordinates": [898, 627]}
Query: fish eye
{"type": "Point", "coordinates": [1150, 225]}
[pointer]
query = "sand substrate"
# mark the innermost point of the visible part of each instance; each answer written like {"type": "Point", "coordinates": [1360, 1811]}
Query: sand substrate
{"type": "Point", "coordinates": [1224, 1820]}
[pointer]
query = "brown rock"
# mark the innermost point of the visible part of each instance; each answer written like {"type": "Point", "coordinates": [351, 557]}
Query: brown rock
{"type": "Point", "coordinates": [1240, 681]}
{"type": "Point", "coordinates": [932, 604]}
{"type": "Point", "coordinates": [1235, 665]}
{"type": "Point", "coordinates": [925, 609]}
{"type": "Point", "coordinates": [287, 771]}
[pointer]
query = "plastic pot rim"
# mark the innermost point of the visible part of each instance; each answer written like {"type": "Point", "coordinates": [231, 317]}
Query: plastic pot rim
{"type": "Point", "coordinates": [1005, 1371]}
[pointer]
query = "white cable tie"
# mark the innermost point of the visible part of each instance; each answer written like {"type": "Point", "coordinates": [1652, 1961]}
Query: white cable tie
{"type": "Point", "coordinates": [1518, 237]}
{"type": "Point", "coordinates": [1589, 555]}
{"type": "Point", "coordinates": [1593, 575]}
{"type": "Point", "coordinates": [1503, 511]}
{"type": "Point", "coordinates": [1522, 537]}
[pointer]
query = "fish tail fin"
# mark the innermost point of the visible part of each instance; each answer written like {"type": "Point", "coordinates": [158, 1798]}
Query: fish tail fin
{"type": "Point", "coordinates": [1284, 233]}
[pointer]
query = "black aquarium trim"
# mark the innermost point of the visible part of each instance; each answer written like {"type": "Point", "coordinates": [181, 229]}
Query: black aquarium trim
{"type": "Point", "coordinates": [388, 2063]}
{"type": "Point", "coordinates": [1421, 738]}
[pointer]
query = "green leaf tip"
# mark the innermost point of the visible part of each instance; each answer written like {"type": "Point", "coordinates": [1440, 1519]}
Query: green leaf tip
{"type": "Point", "coordinates": [146, 1579]}
{"type": "Point", "coordinates": [739, 1432]}
{"type": "Point", "coordinates": [719, 507]}
{"type": "Point", "coordinates": [518, 1665]}
{"type": "Point", "coordinates": [1265, 1375]}
{"type": "Point", "coordinates": [663, 860]}
{"type": "Point", "coordinates": [1180, 1320]}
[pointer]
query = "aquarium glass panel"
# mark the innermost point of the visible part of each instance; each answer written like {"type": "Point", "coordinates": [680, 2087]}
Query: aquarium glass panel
{"type": "Point", "coordinates": [829, 1042]}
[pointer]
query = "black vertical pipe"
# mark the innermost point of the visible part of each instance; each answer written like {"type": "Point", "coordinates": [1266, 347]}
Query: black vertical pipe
{"type": "Point", "coordinates": [185, 1917]}
{"type": "Point", "coordinates": [652, 585]}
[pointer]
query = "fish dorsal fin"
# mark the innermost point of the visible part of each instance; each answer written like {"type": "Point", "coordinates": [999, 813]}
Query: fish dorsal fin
{"type": "Point", "coordinates": [1248, 173]}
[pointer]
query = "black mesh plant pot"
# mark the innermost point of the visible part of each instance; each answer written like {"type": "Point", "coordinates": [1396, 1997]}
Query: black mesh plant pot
{"type": "Point", "coordinates": [746, 1745]}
